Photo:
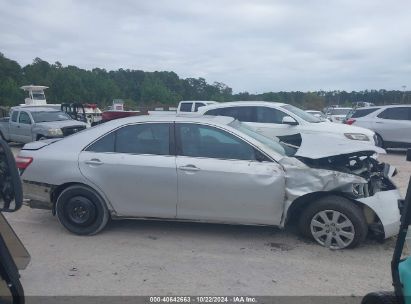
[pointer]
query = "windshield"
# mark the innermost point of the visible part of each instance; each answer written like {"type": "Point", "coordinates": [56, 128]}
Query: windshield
{"type": "Point", "coordinates": [38, 95]}
{"type": "Point", "coordinates": [47, 116]}
{"type": "Point", "coordinates": [267, 142]}
{"type": "Point", "coordinates": [301, 113]}
{"type": "Point", "coordinates": [339, 111]}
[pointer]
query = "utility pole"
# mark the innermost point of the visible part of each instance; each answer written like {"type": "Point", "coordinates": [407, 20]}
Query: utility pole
{"type": "Point", "coordinates": [403, 93]}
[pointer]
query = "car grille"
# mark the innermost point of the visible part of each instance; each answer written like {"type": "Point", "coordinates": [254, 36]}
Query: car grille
{"type": "Point", "coordinates": [71, 130]}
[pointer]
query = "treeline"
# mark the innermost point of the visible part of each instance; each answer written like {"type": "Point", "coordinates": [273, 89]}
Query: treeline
{"type": "Point", "coordinates": [137, 88]}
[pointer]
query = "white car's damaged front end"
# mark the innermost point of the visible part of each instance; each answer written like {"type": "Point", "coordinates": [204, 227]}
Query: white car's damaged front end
{"type": "Point", "coordinates": [352, 172]}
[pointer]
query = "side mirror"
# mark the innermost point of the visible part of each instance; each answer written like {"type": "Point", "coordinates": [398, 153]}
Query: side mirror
{"type": "Point", "coordinates": [11, 193]}
{"type": "Point", "coordinates": [288, 120]}
{"type": "Point", "coordinates": [409, 155]}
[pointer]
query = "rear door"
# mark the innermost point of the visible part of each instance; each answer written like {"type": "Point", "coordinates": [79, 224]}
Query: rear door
{"type": "Point", "coordinates": [394, 124]}
{"type": "Point", "coordinates": [135, 167]}
{"type": "Point", "coordinates": [220, 180]}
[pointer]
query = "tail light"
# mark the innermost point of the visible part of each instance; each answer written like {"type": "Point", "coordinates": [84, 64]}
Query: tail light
{"type": "Point", "coordinates": [350, 121]}
{"type": "Point", "coordinates": [23, 162]}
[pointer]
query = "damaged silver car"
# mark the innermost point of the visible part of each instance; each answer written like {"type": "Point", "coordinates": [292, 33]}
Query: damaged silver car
{"type": "Point", "coordinates": [211, 169]}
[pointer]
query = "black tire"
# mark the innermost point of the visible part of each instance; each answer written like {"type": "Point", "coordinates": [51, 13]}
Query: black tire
{"type": "Point", "coordinates": [348, 209]}
{"type": "Point", "coordinates": [41, 137]}
{"type": "Point", "coordinates": [381, 297]}
{"type": "Point", "coordinates": [379, 142]}
{"type": "Point", "coordinates": [81, 210]}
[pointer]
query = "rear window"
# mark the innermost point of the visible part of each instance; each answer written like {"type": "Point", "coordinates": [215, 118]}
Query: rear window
{"type": "Point", "coordinates": [363, 112]}
{"type": "Point", "coordinates": [197, 105]}
{"type": "Point", "coordinates": [186, 107]}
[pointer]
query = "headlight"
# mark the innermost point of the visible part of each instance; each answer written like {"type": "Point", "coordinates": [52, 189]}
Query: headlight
{"type": "Point", "coordinates": [357, 136]}
{"type": "Point", "coordinates": [55, 132]}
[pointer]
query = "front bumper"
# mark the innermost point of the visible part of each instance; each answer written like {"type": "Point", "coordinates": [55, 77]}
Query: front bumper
{"type": "Point", "coordinates": [37, 195]}
{"type": "Point", "coordinates": [385, 206]}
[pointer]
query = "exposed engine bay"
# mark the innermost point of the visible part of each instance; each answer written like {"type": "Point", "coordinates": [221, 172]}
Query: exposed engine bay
{"type": "Point", "coordinates": [361, 164]}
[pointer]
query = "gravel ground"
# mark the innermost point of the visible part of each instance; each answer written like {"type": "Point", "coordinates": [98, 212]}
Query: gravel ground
{"type": "Point", "coordinates": [152, 258]}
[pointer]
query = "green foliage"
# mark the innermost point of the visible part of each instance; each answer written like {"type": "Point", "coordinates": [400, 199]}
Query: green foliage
{"type": "Point", "coordinates": [72, 84]}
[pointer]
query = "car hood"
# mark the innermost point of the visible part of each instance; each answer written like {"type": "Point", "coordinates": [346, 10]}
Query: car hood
{"type": "Point", "coordinates": [316, 147]}
{"type": "Point", "coordinates": [61, 124]}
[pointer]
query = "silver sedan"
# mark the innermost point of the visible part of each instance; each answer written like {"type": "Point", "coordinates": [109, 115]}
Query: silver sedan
{"type": "Point", "coordinates": [209, 169]}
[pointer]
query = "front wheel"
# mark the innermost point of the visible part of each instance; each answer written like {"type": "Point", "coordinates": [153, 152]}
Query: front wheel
{"type": "Point", "coordinates": [334, 222]}
{"type": "Point", "coordinates": [81, 210]}
{"type": "Point", "coordinates": [382, 297]}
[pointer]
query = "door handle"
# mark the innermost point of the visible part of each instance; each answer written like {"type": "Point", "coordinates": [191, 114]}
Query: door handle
{"type": "Point", "coordinates": [189, 168]}
{"type": "Point", "coordinates": [379, 122]}
{"type": "Point", "coordinates": [94, 162]}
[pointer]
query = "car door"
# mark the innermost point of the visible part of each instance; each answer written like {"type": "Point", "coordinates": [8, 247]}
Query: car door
{"type": "Point", "coordinates": [220, 180]}
{"type": "Point", "coordinates": [24, 127]}
{"type": "Point", "coordinates": [135, 167]}
{"type": "Point", "coordinates": [13, 126]}
{"type": "Point", "coordinates": [394, 124]}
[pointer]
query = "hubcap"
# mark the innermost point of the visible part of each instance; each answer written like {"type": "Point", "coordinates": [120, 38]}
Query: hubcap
{"type": "Point", "coordinates": [332, 229]}
{"type": "Point", "coordinates": [80, 210]}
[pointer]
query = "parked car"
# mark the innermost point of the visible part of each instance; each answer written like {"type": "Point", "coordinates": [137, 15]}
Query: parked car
{"type": "Point", "coordinates": [210, 169]}
{"type": "Point", "coordinates": [337, 114]}
{"type": "Point", "coordinates": [31, 123]}
{"type": "Point", "coordinates": [284, 121]}
{"type": "Point", "coordinates": [391, 124]}
{"type": "Point", "coordinates": [187, 106]}
{"type": "Point", "coordinates": [318, 114]}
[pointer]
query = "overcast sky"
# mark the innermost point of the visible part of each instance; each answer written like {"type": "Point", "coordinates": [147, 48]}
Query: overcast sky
{"type": "Point", "coordinates": [250, 45]}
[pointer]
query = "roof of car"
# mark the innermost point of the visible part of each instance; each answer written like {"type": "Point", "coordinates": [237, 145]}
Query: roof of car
{"type": "Point", "coordinates": [224, 120]}
{"type": "Point", "coordinates": [240, 103]}
{"type": "Point", "coordinates": [385, 106]}
{"type": "Point", "coordinates": [35, 109]}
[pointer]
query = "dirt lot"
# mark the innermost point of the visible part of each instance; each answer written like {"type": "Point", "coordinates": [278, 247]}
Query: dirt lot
{"type": "Point", "coordinates": [152, 258]}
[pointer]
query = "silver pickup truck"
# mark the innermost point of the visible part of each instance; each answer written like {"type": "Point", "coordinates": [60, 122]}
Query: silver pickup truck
{"type": "Point", "coordinates": [27, 124]}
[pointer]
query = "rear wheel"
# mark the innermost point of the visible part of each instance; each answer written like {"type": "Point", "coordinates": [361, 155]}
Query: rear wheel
{"type": "Point", "coordinates": [334, 222]}
{"type": "Point", "coordinates": [81, 210]}
{"type": "Point", "coordinates": [382, 297]}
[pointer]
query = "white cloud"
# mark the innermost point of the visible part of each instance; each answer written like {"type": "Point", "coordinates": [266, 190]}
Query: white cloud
{"type": "Point", "coordinates": [256, 45]}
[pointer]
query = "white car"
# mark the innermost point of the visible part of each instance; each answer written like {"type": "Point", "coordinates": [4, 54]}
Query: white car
{"type": "Point", "coordinates": [317, 114]}
{"type": "Point", "coordinates": [188, 106]}
{"type": "Point", "coordinates": [392, 124]}
{"type": "Point", "coordinates": [285, 122]}
{"type": "Point", "coordinates": [338, 114]}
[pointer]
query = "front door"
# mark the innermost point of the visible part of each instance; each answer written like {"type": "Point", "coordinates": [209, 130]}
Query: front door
{"type": "Point", "coordinates": [135, 168]}
{"type": "Point", "coordinates": [24, 127]}
{"type": "Point", "coordinates": [220, 180]}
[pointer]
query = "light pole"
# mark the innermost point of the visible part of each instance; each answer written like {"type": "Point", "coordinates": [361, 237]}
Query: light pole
{"type": "Point", "coordinates": [403, 93]}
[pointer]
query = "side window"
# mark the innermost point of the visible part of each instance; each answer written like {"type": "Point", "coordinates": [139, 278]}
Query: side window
{"type": "Point", "coordinates": [186, 107]}
{"type": "Point", "coordinates": [214, 112]}
{"type": "Point", "coordinates": [104, 144]}
{"type": "Point", "coordinates": [398, 113]}
{"type": "Point", "coordinates": [197, 105]}
{"type": "Point", "coordinates": [14, 116]}
{"type": "Point", "coordinates": [148, 138]}
{"type": "Point", "coordinates": [203, 141]}
{"type": "Point", "coordinates": [24, 118]}
{"type": "Point", "coordinates": [247, 114]}
{"type": "Point", "coordinates": [270, 115]}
